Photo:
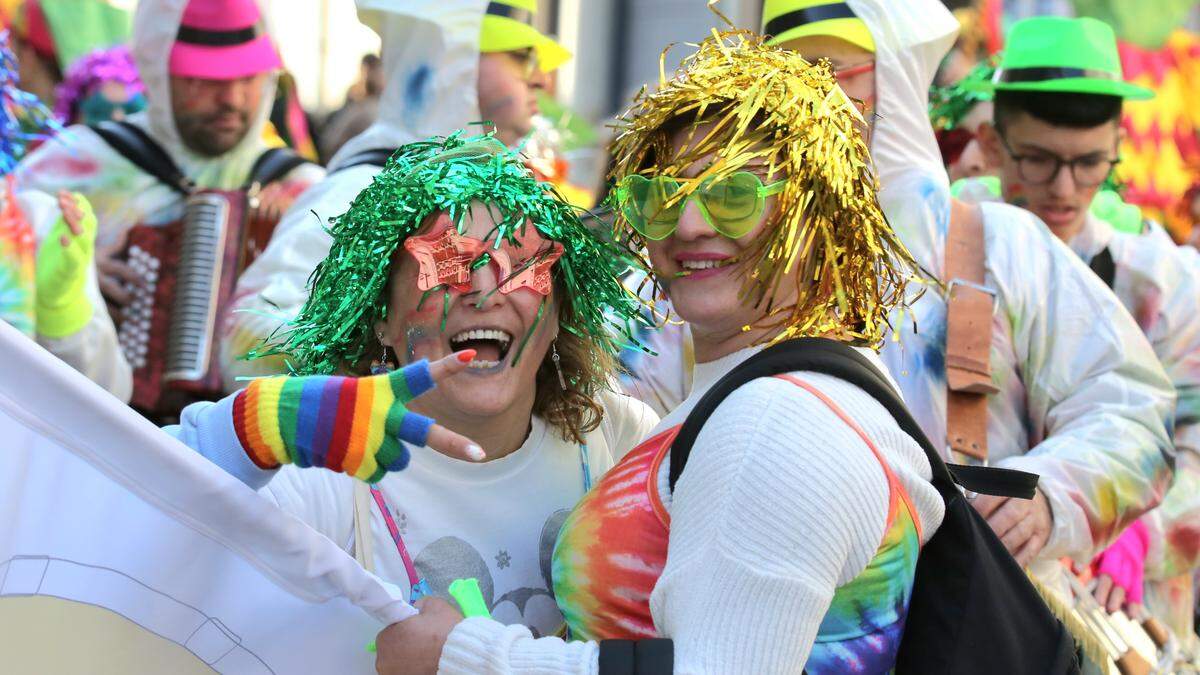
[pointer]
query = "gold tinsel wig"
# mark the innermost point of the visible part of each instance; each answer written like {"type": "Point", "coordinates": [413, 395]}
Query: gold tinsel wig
{"type": "Point", "coordinates": [740, 101]}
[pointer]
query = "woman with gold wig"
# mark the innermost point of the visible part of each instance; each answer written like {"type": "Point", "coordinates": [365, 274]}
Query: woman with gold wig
{"type": "Point", "coordinates": [791, 539]}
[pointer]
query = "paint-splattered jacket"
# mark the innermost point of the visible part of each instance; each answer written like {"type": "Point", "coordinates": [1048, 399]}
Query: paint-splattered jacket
{"type": "Point", "coordinates": [123, 196]}
{"type": "Point", "coordinates": [1083, 401]}
{"type": "Point", "coordinates": [1159, 283]}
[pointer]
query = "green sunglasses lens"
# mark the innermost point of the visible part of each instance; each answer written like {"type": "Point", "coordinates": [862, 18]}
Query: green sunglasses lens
{"type": "Point", "coordinates": [735, 204]}
{"type": "Point", "coordinates": [643, 202]}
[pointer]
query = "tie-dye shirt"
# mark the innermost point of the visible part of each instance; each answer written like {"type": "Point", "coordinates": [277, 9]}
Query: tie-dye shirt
{"type": "Point", "coordinates": [613, 547]}
{"type": "Point", "coordinates": [759, 560]}
{"type": "Point", "coordinates": [18, 248]}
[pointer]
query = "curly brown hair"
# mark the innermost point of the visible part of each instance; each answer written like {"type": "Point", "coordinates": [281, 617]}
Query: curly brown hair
{"type": "Point", "coordinates": [587, 370]}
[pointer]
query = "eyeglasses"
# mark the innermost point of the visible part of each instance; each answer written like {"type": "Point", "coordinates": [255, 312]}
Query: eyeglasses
{"type": "Point", "coordinates": [731, 206]}
{"type": "Point", "coordinates": [843, 74]}
{"type": "Point", "coordinates": [527, 61]}
{"type": "Point", "coordinates": [1043, 167]}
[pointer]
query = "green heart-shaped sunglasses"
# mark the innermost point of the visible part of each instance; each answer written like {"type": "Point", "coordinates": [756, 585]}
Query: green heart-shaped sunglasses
{"type": "Point", "coordinates": [731, 206]}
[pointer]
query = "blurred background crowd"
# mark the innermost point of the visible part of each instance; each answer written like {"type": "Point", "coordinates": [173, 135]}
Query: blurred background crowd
{"type": "Point", "coordinates": [73, 56]}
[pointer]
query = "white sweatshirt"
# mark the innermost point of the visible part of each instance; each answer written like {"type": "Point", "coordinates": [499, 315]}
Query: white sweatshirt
{"type": "Point", "coordinates": [781, 503]}
{"type": "Point", "coordinates": [496, 521]}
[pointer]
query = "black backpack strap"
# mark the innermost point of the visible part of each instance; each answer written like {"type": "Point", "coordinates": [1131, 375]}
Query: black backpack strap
{"type": "Point", "coordinates": [274, 164]}
{"type": "Point", "coordinates": [135, 145]}
{"type": "Point", "coordinates": [637, 657]}
{"type": "Point", "coordinates": [1104, 267]}
{"type": "Point", "coordinates": [827, 357]}
{"type": "Point", "coordinates": [374, 157]}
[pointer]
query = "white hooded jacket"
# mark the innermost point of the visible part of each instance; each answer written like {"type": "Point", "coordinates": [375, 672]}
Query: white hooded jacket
{"type": "Point", "coordinates": [123, 196]}
{"type": "Point", "coordinates": [1083, 401]}
{"type": "Point", "coordinates": [431, 61]}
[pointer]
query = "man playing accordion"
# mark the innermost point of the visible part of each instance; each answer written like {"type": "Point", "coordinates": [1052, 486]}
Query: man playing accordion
{"type": "Point", "coordinates": [185, 195]}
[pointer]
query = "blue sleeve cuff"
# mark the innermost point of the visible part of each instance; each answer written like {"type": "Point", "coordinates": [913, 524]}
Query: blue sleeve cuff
{"type": "Point", "coordinates": [207, 428]}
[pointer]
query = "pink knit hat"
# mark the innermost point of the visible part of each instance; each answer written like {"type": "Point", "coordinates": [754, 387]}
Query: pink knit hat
{"type": "Point", "coordinates": [222, 40]}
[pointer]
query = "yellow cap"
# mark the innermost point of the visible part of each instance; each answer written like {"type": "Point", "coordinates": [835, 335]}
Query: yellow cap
{"type": "Point", "coordinates": [506, 28]}
{"type": "Point", "coordinates": [787, 20]}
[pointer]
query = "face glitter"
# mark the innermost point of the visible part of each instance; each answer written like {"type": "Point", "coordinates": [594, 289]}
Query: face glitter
{"type": "Point", "coordinates": [412, 336]}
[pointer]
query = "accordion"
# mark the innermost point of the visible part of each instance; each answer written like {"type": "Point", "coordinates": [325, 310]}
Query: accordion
{"type": "Point", "coordinates": [189, 269]}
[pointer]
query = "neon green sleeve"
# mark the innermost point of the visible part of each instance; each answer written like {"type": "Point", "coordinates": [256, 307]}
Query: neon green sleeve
{"type": "Point", "coordinates": [63, 307]}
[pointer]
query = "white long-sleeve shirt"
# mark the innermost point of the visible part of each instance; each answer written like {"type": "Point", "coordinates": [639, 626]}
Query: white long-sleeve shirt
{"type": "Point", "coordinates": [781, 503]}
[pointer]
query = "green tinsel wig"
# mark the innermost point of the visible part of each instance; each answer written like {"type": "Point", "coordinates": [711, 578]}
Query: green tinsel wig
{"type": "Point", "coordinates": [446, 175]}
{"type": "Point", "coordinates": [948, 106]}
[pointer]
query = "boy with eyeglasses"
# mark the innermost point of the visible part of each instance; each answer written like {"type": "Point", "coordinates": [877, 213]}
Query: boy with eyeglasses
{"type": "Point", "coordinates": [1054, 135]}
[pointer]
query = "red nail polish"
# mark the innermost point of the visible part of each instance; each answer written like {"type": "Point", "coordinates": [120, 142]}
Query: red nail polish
{"type": "Point", "coordinates": [467, 355]}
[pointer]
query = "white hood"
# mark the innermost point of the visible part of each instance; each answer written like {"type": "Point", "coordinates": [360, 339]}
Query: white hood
{"type": "Point", "coordinates": [155, 24]}
{"type": "Point", "coordinates": [1081, 398]}
{"type": "Point", "coordinates": [911, 38]}
{"type": "Point", "coordinates": [431, 62]}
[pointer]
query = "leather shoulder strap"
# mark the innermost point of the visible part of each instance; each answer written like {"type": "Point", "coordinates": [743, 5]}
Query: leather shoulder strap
{"type": "Point", "coordinates": [969, 307]}
{"type": "Point", "coordinates": [135, 145]}
{"type": "Point", "coordinates": [273, 165]}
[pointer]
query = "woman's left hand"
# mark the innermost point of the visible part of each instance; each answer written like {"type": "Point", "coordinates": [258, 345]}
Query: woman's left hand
{"type": "Point", "coordinates": [414, 646]}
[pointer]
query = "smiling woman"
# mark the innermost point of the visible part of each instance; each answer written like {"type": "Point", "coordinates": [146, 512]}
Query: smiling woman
{"type": "Point", "coordinates": [456, 256]}
{"type": "Point", "coordinates": [456, 245]}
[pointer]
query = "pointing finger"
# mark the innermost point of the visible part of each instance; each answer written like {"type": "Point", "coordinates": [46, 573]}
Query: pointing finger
{"type": "Point", "coordinates": [454, 444]}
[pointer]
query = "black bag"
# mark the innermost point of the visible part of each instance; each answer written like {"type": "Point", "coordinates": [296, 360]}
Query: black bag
{"type": "Point", "coordinates": [973, 610]}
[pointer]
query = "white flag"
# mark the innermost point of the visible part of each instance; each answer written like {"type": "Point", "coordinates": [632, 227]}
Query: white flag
{"type": "Point", "coordinates": [123, 551]}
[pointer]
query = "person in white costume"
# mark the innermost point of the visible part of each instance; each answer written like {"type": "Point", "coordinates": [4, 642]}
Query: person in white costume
{"type": "Point", "coordinates": [1082, 400]}
{"type": "Point", "coordinates": [215, 142]}
{"type": "Point", "coordinates": [1031, 134]}
{"type": "Point", "coordinates": [448, 64]}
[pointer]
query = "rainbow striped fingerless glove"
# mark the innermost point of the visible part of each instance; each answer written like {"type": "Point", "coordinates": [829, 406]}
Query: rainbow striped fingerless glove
{"type": "Point", "coordinates": [353, 425]}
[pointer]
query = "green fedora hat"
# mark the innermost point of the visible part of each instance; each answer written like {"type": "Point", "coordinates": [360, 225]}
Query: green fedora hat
{"type": "Point", "coordinates": [1057, 54]}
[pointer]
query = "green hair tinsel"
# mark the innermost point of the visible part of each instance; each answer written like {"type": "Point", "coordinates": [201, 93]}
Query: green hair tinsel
{"type": "Point", "coordinates": [949, 105]}
{"type": "Point", "coordinates": [447, 175]}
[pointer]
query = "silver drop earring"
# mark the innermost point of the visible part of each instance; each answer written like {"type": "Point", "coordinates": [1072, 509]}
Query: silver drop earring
{"type": "Point", "coordinates": [384, 365]}
{"type": "Point", "coordinates": [562, 381]}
